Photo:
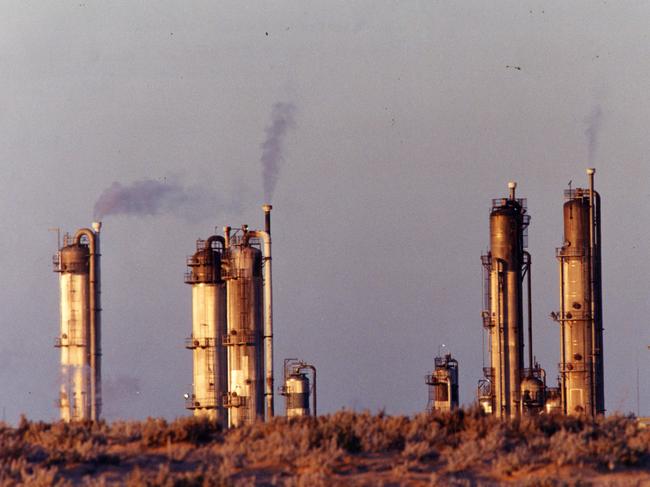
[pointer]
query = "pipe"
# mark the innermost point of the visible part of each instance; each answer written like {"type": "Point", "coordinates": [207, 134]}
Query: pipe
{"type": "Point", "coordinates": [226, 236]}
{"type": "Point", "coordinates": [501, 331]}
{"type": "Point", "coordinates": [592, 269]}
{"type": "Point", "coordinates": [267, 218]}
{"type": "Point", "coordinates": [512, 186]}
{"type": "Point", "coordinates": [94, 350]}
{"type": "Point", "coordinates": [530, 312]}
{"type": "Point", "coordinates": [562, 343]}
{"type": "Point", "coordinates": [313, 370]}
{"type": "Point", "coordinates": [600, 392]}
{"type": "Point", "coordinates": [268, 316]}
{"type": "Point", "coordinates": [215, 238]}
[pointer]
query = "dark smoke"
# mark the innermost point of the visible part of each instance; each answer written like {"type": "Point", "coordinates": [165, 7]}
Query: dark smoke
{"type": "Point", "coordinates": [150, 197]}
{"type": "Point", "coordinates": [593, 122]}
{"type": "Point", "coordinates": [281, 121]}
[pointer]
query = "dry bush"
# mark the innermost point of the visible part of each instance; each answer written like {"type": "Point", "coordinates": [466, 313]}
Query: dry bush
{"type": "Point", "coordinates": [452, 448]}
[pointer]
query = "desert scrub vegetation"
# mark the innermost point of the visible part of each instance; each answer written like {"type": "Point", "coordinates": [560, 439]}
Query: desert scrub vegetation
{"type": "Point", "coordinates": [464, 447]}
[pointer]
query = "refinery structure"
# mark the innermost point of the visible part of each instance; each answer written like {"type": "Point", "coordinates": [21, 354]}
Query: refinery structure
{"type": "Point", "coordinates": [232, 326]}
{"type": "Point", "coordinates": [231, 337]}
{"type": "Point", "coordinates": [78, 264]}
{"type": "Point", "coordinates": [508, 388]}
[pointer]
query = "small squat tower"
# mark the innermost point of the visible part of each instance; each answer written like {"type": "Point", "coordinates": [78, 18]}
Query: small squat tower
{"type": "Point", "coordinates": [296, 388]}
{"type": "Point", "coordinates": [443, 385]}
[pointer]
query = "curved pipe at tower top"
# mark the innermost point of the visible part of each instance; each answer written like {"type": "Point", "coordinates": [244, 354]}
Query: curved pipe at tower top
{"type": "Point", "coordinates": [94, 273]}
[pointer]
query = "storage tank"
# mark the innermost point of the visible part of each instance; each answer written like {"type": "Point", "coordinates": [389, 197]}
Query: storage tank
{"type": "Point", "coordinates": [243, 339]}
{"type": "Point", "coordinates": [533, 391]}
{"type": "Point", "coordinates": [208, 329]}
{"type": "Point", "coordinates": [505, 265]}
{"type": "Point", "coordinates": [580, 316]}
{"type": "Point", "coordinates": [443, 384]}
{"type": "Point", "coordinates": [78, 265]}
{"type": "Point", "coordinates": [297, 389]}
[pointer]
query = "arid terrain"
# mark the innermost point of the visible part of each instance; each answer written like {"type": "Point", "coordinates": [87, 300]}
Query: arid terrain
{"type": "Point", "coordinates": [346, 448]}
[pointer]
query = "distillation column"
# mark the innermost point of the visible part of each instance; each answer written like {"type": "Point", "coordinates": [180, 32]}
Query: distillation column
{"type": "Point", "coordinates": [504, 319]}
{"type": "Point", "coordinates": [443, 384]}
{"type": "Point", "coordinates": [78, 265]}
{"type": "Point", "coordinates": [297, 388]}
{"type": "Point", "coordinates": [208, 329]}
{"type": "Point", "coordinates": [245, 398]}
{"type": "Point", "coordinates": [580, 317]}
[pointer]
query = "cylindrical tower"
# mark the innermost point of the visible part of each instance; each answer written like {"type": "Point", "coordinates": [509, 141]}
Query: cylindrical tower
{"type": "Point", "coordinates": [580, 316]}
{"type": "Point", "coordinates": [297, 389]}
{"type": "Point", "coordinates": [504, 320]}
{"type": "Point", "coordinates": [245, 398]}
{"type": "Point", "coordinates": [443, 384]}
{"type": "Point", "coordinates": [77, 263]}
{"type": "Point", "coordinates": [208, 329]}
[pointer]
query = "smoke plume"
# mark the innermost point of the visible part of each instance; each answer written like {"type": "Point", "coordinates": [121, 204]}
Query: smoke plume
{"type": "Point", "coordinates": [281, 121]}
{"type": "Point", "coordinates": [150, 197]}
{"type": "Point", "coordinates": [593, 122]}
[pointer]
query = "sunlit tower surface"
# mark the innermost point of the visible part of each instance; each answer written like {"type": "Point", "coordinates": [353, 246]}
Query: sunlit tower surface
{"type": "Point", "coordinates": [78, 265]}
{"type": "Point", "coordinates": [505, 265]}
{"type": "Point", "coordinates": [580, 316]}
{"type": "Point", "coordinates": [208, 329]}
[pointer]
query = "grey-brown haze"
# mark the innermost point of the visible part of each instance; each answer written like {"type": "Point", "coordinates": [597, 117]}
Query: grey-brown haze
{"type": "Point", "coordinates": [410, 116]}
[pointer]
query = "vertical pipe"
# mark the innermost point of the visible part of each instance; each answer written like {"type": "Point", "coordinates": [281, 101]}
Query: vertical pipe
{"type": "Point", "coordinates": [267, 218]}
{"type": "Point", "coordinates": [226, 237]}
{"type": "Point", "coordinates": [268, 320]}
{"type": "Point", "coordinates": [530, 312]}
{"type": "Point", "coordinates": [96, 325]}
{"type": "Point", "coordinates": [94, 332]}
{"type": "Point", "coordinates": [590, 173]}
{"type": "Point", "coordinates": [598, 297]}
{"type": "Point", "coordinates": [268, 315]}
{"type": "Point", "coordinates": [313, 369]}
{"type": "Point", "coordinates": [562, 344]}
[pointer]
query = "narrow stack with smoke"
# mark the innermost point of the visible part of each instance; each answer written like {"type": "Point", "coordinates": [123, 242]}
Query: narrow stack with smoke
{"type": "Point", "coordinates": [78, 264]}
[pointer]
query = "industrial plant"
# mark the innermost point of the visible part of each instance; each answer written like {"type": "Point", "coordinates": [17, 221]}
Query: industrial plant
{"type": "Point", "coordinates": [232, 330]}
{"type": "Point", "coordinates": [508, 388]}
{"type": "Point", "coordinates": [78, 265]}
{"type": "Point", "coordinates": [232, 324]}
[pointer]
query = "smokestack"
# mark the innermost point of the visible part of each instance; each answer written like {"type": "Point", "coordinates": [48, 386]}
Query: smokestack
{"type": "Point", "coordinates": [267, 218]}
{"type": "Point", "coordinates": [512, 186]}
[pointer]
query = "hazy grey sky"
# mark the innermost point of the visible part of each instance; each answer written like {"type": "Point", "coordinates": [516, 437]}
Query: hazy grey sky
{"type": "Point", "coordinates": [408, 121]}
